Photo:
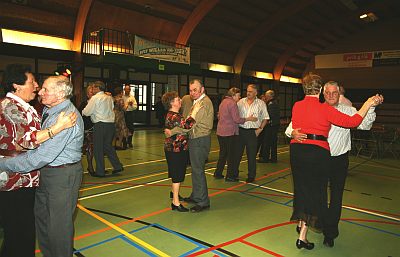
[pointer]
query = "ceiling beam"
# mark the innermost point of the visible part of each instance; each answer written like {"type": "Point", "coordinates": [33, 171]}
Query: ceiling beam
{"type": "Point", "coordinates": [318, 33]}
{"type": "Point", "coordinates": [201, 10]}
{"type": "Point", "coordinates": [25, 18]}
{"type": "Point", "coordinates": [80, 24]}
{"type": "Point", "coordinates": [266, 26]}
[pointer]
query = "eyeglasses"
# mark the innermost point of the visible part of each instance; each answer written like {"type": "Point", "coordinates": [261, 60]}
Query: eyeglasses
{"type": "Point", "coordinates": [331, 93]}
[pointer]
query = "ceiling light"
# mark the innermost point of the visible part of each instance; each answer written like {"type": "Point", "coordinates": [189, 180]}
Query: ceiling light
{"type": "Point", "coordinates": [368, 17]}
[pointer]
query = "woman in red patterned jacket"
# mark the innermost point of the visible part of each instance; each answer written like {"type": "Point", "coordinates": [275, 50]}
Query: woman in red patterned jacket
{"type": "Point", "coordinates": [20, 131]}
{"type": "Point", "coordinates": [176, 146]}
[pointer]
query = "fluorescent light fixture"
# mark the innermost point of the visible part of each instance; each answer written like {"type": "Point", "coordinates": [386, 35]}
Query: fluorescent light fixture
{"type": "Point", "coordinates": [290, 79]}
{"type": "Point", "coordinates": [32, 39]}
{"type": "Point", "coordinates": [369, 17]}
{"type": "Point", "coordinates": [264, 75]}
{"type": "Point", "coordinates": [220, 67]}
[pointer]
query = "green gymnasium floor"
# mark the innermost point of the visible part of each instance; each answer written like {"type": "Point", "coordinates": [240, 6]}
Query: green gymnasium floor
{"type": "Point", "coordinates": [129, 214]}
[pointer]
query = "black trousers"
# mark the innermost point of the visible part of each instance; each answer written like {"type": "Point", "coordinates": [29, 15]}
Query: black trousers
{"type": "Point", "coordinates": [18, 222]}
{"type": "Point", "coordinates": [337, 174]}
{"type": "Point", "coordinates": [227, 154]}
{"type": "Point", "coordinates": [310, 165]}
{"type": "Point", "coordinates": [103, 134]}
{"type": "Point", "coordinates": [248, 139]}
{"type": "Point", "coordinates": [130, 120]}
{"type": "Point", "coordinates": [271, 143]}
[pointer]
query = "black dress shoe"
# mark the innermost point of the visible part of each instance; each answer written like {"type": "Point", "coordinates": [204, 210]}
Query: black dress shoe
{"type": "Point", "coordinates": [329, 242]}
{"type": "Point", "coordinates": [307, 245]}
{"type": "Point", "coordinates": [261, 160]}
{"type": "Point", "coordinates": [118, 170]}
{"type": "Point", "coordinates": [228, 179]}
{"type": "Point", "coordinates": [298, 229]}
{"type": "Point", "coordinates": [249, 180]}
{"type": "Point", "coordinates": [188, 200]}
{"type": "Point", "coordinates": [97, 175]}
{"type": "Point", "coordinates": [198, 208]}
{"type": "Point", "coordinates": [171, 195]}
{"type": "Point", "coordinates": [218, 176]}
{"type": "Point", "coordinates": [179, 208]}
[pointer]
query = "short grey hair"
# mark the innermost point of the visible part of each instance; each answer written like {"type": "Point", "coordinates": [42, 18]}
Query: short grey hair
{"type": "Point", "coordinates": [331, 83]}
{"type": "Point", "coordinates": [271, 93]}
{"type": "Point", "coordinates": [99, 84]}
{"type": "Point", "coordinates": [253, 86]}
{"type": "Point", "coordinates": [196, 80]}
{"type": "Point", "coordinates": [62, 85]}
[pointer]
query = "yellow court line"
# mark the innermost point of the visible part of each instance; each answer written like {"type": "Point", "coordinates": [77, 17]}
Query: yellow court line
{"type": "Point", "coordinates": [125, 233]}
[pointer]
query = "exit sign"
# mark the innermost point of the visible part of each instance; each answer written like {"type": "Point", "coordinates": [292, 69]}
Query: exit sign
{"type": "Point", "coordinates": [161, 67]}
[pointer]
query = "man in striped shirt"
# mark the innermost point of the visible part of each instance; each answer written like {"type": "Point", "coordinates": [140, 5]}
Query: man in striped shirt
{"type": "Point", "coordinates": [339, 140]}
{"type": "Point", "coordinates": [249, 131]}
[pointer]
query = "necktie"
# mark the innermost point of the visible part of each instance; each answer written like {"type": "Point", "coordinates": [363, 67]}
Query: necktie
{"type": "Point", "coordinates": [44, 117]}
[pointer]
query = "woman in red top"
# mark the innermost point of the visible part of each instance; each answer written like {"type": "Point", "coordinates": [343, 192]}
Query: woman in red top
{"type": "Point", "coordinates": [20, 131]}
{"type": "Point", "coordinates": [309, 157]}
{"type": "Point", "coordinates": [176, 146]}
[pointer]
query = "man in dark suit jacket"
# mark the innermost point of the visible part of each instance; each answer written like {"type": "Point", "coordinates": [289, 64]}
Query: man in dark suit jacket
{"type": "Point", "coordinates": [271, 129]}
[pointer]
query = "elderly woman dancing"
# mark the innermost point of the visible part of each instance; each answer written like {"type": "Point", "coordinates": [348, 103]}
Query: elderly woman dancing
{"type": "Point", "coordinates": [309, 158]}
{"type": "Point", "coordinates": [20, 132]}
{"type": "Point", "coordinates": [176, 146]}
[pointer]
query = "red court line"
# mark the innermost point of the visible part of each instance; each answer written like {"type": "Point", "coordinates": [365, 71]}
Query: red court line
{"type": "Point", "coordinates": [239, 239]}
{"type": "Point", "coordinates": [261, 248]}
{"type": "Point", "coordinates": [242, 184]}
{"type": "Point", "coordinates": [167, 209]}
{"type": "Point", "coordinates": [122, 223]}
{"type": "Point", "coordinates": [242, 238]}
{"type": "Point", "coordinates": [379, 176]}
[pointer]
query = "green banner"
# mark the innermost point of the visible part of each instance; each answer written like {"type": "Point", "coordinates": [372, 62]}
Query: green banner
{"type": "Point", "coordinates": [149, 49]}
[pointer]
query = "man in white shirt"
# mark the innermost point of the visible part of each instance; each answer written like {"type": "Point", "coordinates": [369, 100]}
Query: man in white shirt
{"type": "Point", "coordinates": [130, 105]}
{"type": "Point", "coordinates": [339, 140]}
{"type": "Point", "coordinates": [100, 108]}
{"type": "Point", "coordinates": [249, 131]}
{"type": "Point", "coordinates": [342, 99]}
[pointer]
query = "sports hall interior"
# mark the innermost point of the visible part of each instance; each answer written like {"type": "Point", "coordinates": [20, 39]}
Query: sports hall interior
{"type": "Point", "coordinates": [223, 43]}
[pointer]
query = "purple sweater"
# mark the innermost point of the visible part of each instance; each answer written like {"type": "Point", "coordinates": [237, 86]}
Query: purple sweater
{"type": "Point", "coordinates": [228, 118]}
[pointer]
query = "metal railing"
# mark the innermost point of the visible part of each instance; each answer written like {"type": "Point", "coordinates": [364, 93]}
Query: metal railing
{"type": "Point", "coordinates": [114, 41]}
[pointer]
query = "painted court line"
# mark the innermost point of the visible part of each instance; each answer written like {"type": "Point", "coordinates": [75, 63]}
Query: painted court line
{"type": "Point", "coordinates": [162, 210]}
{"type": "Point", "coordinates": [125, 233]}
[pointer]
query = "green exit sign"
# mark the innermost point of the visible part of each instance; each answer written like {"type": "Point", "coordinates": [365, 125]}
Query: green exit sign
{"type": "Point", "coordinates": [161, 67]}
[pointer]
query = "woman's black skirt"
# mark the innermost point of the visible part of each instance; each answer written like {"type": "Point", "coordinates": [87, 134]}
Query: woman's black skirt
{"type": "Point", "coordinates": [310, 170]}
{"type": "Point", "coordinates": [177, 163]}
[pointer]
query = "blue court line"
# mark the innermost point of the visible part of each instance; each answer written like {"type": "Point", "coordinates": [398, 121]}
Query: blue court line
{"type": "Point", "coordinates": [138, 247]}
{"type": "Point", "coordinates": [373, 228]}
{"type": "Point", "coordinates": [268, 182]}
{"type": "Point", "coordinates": [289, 202]}
{"type": "Point", "coordinates": [286, 204]}
{"type": "Point", "coordinates": [199, 246]}
{"type": "Point", "coordinates": [109, 240]}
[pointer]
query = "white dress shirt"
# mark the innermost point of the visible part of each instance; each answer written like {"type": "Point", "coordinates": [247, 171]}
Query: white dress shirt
{"type": "Point", "coordinates": [257, 109]}
{"type": "Point", "coordinates": [100, 108]}
{"type": "Point", "coordinates": [127, 106]}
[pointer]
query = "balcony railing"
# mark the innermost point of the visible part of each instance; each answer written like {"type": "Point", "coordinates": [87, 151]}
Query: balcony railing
{"type": "Point", "coordinates": [113, 41]}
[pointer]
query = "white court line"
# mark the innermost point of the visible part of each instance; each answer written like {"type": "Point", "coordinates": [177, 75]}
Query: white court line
{"type": "Point", "coordinates": [264, 187]}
